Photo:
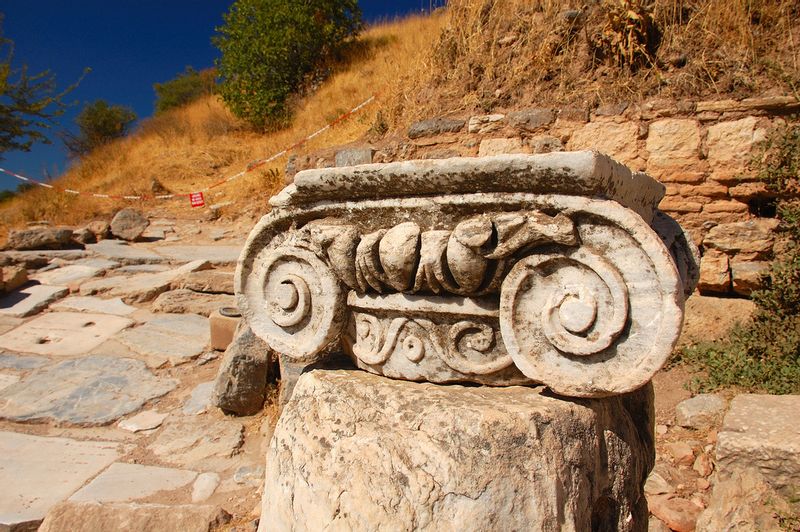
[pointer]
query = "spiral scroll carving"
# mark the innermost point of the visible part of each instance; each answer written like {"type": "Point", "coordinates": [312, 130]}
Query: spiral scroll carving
{"type": "Point", "coordinates": [595, 320]}
{"type": "Point", "coordinates": [294, 302]}
{"type": "Point", "coordinates": [471, 349]}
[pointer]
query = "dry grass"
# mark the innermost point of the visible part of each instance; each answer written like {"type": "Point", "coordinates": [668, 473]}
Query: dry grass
{"type": "Point", "coordinates": [190, 148]}
{"type": "Point", "coordinates": [477, 55]}
{"type": "Point", "coordinates": [501, 54]}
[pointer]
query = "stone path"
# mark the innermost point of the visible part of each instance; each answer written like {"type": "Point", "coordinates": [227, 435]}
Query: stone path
{"type": "Point", "coordinates": [104, 414]}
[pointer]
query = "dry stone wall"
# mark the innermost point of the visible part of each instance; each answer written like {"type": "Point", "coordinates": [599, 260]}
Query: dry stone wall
{"type": "Point", "coordinates": [699, 150]}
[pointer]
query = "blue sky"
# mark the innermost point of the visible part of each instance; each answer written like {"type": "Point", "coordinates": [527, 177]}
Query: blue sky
{"type": "Point", "coordinates": [129, 45]}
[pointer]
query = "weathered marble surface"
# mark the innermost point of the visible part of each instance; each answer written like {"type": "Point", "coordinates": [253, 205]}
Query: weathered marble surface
{"type": "Point", "coordinates": [354, 451]}
{"type": "Point", "coordinates": [553, 269]}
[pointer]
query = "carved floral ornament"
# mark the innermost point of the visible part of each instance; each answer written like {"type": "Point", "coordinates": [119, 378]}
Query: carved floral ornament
{"type": "Point", "coordinates": [578, 293]}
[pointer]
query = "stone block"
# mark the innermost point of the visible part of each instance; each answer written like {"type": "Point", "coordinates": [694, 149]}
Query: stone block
{"type": "Point", "coordinates": [176, 337]}
{"type": "Point", "coordinates": [435, 126]}
{"type": "Point", "coordinates": [545, 144]}
{"type": "Point", "coordinates": [747, 191]}
{"type": "Point", "coordinates": [753, 236]}
{"type": "Point", "coordinates": [63, 333]}
{"type": "Point", "coordinates": [354, 156]}
{"type": "Point", "coordinates": [13, 277]}
{"type": "Point", "coordinates": [113, 305]}
{"type": "Point", "coordinates": [742, 500]}
{"type": "Point", "coordinates": [133, 517]}
{"type": "Point", "coordinates": [129, 224]}
{"type": "Point", "coordinates": [30, 300]}
{"type": "Point", "coordinates": [679, 205]}
{"type": "Point", "coordinates": [485, 123]}
{"type": "Point", "coordinates": [500, 146]}
{"type": "Point", "coordinates": [673, 143]}
{"type": "Point", "coordinates": [357, 451]}
{"type": "Point", "coordinates": [715, 273]}
{"type": "Point", "coordinates": [240, 386]}
{"type": "Point", "coordinates": [37, 473]}
{"type": "Point", "coordinates": [761, 432]}
{"type": "Point", "coordinates": [86, 391]}
{"type": "Point", "coordinates": [619, 140]}
{"type": "Point", "coordinates": [222, 329]}
{"type": "Point", "coordinates": [729, 206]}
{"type": "Point", "coordinates": [198, 442]}
{"type": "Point", "coordinates": [748, 275]}
{"type": "Point", "coordinates": [123, 482]}
{"type": "Point", "coordinates": [40, 238]}
{"type": "Point", "coordinates": [729, 144]}
{"type": "Point", "coordinates": [532, 119]}
{"type": "Point", "coordinates": [182, 301]}
{"type": "Point", "coordinates": [208, 281]}
{"type": "Point", "coordinates": [700, 412]}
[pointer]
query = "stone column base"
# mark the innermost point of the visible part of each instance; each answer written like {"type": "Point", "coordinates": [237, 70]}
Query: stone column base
{"type": "Point", "coordinates": [355, 451]}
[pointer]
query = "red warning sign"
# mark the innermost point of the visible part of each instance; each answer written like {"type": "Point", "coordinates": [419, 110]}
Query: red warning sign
{"type": "Point", "coordinates": [197, 199]}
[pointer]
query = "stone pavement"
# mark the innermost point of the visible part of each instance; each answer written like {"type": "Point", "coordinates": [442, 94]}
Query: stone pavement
{"type": "Point", "coordinates": [104, 399]}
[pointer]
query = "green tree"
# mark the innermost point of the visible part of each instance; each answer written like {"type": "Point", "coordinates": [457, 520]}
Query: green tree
{"type": "Point", "coordinates": [28, 102]}
{"type": "Point", "coordinates": [183, 88]}
{"type": "Point", "coordinates": [269, 47]}
{"type": "Point", "coordinates": [98, 123]}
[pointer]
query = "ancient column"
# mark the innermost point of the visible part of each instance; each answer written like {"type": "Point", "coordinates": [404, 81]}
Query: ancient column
{"type": "Point", "coordinates": [552, 281]}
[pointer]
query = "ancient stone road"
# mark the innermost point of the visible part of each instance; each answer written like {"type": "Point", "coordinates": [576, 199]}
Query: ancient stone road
{"type": "Point", "coordinates": [119, 392]}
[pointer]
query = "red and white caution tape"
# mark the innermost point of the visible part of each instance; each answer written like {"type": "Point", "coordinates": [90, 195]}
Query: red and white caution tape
{"type": "Point", "coordinates": [196, 197]}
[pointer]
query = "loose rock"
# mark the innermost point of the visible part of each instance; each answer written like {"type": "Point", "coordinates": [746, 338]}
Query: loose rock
{"type": "Point", "coordinates": [129, 224]}
{"type": "Point", "coordinates": [40, 238]}
{"type": "Point", "coordinates": [701, 411]}
{"type": "Point", "coordinates": [240, 386]}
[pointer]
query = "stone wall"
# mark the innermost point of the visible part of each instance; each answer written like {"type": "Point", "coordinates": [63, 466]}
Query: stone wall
{"type": "Point", "coordinates": [699, 150]}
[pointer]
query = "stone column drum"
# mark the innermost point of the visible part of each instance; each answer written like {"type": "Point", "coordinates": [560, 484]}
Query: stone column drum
{"type": "Point", "coordinates": [552, 269]}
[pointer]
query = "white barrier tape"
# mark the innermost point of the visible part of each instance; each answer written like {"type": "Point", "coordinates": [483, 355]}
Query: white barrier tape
{"type": "Point", "coordinates": [252, 165]}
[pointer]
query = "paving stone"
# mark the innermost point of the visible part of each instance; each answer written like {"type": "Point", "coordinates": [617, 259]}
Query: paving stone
{"type": "Point", "coordinates": [761, 431]}
{"type": "Point", "coordinates": [30, 300]}
{"type": "Point", "coordinates": [7, 380]}
{"type": "Point", "coordinates": [144, 268]}
{"type": "Point", "coordinates": [21, 362]}
{"type": "Point", "coordinates": [204, 487]}
{"type": "Point", "coordinates": [63, 333]}
{"type": "Point", "coordinates": [9, 322]}
{"type": "Point", "coordinates": [142, 287]}
{"type": "Point", "coordinates": [36, 473]}
{"type": "Point", "coordinates": [198, 442]}
{"type": "Point", "coordinates": [210, 281]}
{"type": "Point", "coordinates": [182, 301]}
{"type": "Point", "coordinates": [213, 254]}
{"type": "Point", "coordinates": [87, 391]}
{"type": "Point", "coordinates": [147, 420]}
{"type": "Point", "coordinates": [125, 253]}
{"type": "Point", "coordinates": [103, 264]}
{"type": "Point", "coordinates": [67, 275]}
{"type": "Point", "coordinates": [199, 400]}
{"type": "Point", "coordinates": [113, 306]}
{"type": "Point", "coordinates": [177, 337]}
{"type": "Point", "coordinates": [133, 517]}
{"type": "Point", "coordinates": [123, 482]}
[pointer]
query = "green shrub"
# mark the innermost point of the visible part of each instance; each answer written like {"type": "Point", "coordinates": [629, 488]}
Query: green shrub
{"type": "Point", "coordinates": [764, 354]}
{"type": "Point", "coordinates": [98, 123]}
{"type": "Point", "coordinates": [184, 88]}
{"type": "Point", "coordinates": [270, 47]}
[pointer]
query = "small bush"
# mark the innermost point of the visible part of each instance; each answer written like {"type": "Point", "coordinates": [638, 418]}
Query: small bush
{"type": "Point", "coordinates": [98, 123]}
{"type": "Point", "coordinates": [764, 355]}
{"type": "Point", "coordinates": [271, 47]}
{"type": "Point", "coordinates": [183, 89]}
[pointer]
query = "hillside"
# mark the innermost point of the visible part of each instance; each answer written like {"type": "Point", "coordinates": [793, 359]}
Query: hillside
{"type": "Point", "coordinates": [191, 148]}
{"type": "Point", "coordinates": [475, 56]}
